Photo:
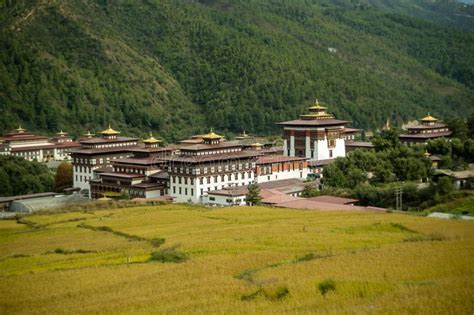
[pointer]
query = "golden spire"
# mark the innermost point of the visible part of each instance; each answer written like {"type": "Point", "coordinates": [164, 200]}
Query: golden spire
{"type": "Point", "coordinates": [20, 129]}
{"type": "Point", "coordinates": [317, 106]}
{"type": "Point", "coordinates": [212, 136]}
{"type": "Point", "coordinates": [88, 134]}
{"type": "Point", "coordinates": [317, 112]}
{"type": "Point", "coordinates": [151, 139]}
{"type": "Point", "coordinates": [61, 133]}
{"type": "Point", "coordinates": [256, 145]}
{"type": "Point", "coordinates": [428, 118]}
{"type": "Point", "coordinates": [109, 131]}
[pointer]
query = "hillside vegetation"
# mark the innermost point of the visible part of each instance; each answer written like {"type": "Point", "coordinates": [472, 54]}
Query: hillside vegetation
{"type": "Point", "coordinates": [180, 66]}
{"type": "Point", "coordinates": [188, 259]}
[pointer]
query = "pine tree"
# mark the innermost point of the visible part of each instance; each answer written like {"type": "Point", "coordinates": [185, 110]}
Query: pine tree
{"type": "Point", "coordinates": [253, 195]}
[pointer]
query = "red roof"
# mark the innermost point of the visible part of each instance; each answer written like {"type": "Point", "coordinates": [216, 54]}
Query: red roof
{"type": "Point", "coordinates": [122, 175]}
{"type": "Point", "coordinates": [333, 199]}
{"type": "Point", "coordinates": [323, 206]}
{"type": "Point", "coordinates": [211, 157]}
{"type": "Point", "coordinates": [279, 198]}
{"type": "Point", "coordinates": [351, 130]}
{"type": "Point", "coordinates": [199, 147]}
{"type": "Point", "coordinates": [426, 135]}
{"type": "Point", "coordinates": [104, 140]}
{"type": "Point", "coordinates": [314, 122]}
{"type": "Point", "coordinates": [34, 148]}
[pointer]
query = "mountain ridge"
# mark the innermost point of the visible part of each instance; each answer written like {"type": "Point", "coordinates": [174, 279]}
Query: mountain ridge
{"type": "Point", "coordinates": [180, 67]}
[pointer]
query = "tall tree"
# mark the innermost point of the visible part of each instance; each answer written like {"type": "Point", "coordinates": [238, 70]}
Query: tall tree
{"type": "Point", "coordinates": [64, 177]}
{"type": "Point", "coordinates": [253, 195]}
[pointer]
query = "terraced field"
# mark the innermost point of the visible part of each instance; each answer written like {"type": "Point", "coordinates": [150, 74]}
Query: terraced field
{"type": "Point", "coordinates": [189, 259]}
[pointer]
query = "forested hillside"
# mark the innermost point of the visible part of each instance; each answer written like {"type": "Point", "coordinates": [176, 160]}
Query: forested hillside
{"type": "Point", "coordinates": [181, 66]}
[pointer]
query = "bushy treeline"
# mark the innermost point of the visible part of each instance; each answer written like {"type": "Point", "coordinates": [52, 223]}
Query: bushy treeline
{"type": "Point", "coordinates": [178, 67]}
{"type": "Point", "coordinates": [458, 151]}
{"type": "Point", "coordinates": [363, 166]}
{"type": "Point", "coordinates": [371, 176]}
{"type": "Point", "coordinates": [19, 176]}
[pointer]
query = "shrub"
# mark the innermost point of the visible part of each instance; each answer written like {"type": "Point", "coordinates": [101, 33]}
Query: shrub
{"type": "Point", "coordinates": [272, 294]}
{"type": "Point", "coordinates": [169, 255]}
{"type": "Point", "coordinates": [277, 293]}
{"type": "Point", "coordinates": [157, 242]}
{"type": "Point", "coordinates": [326, 286]}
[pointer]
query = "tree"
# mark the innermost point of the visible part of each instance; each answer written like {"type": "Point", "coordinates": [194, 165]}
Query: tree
{"type": "Point", "coordinates": [253, 194]}
{"type": "Point", "coordinates": [459, 128]}
{"type": "Point", "coordinates": [63, 177]}
{"type": "Point", "coordinates": [445, 185]}
{"type": "Point", "coordinates": [310, 191]}
{"type": "Point", "coordinates": [19, 176]}
{"type": "Point", "coordinates": [470, 126]}
{"type": "Point", "coordinates": [386, 139]}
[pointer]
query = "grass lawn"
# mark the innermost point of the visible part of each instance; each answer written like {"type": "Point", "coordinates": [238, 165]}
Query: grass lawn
{"type": "Point", "coordinates": [235, 260]}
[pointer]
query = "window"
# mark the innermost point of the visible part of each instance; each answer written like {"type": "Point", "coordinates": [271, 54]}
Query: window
{"type": "Point", "coordinates": [185, 191]}
{"type": "Point", "coordinates": [202, 191]}
{"type": "Point", "coordinates": [192, 192]}
{"type": "Point", "coordinates": [209, 179]}
{"type": "Point", "coordinates": [330, 153]}
{"type": "Point", "coordinates": [191, 181]}
{"type": "Point", "coordinates": [212, 199]}
{"type": "Point", "coordinates": [174, 190]}
{"type": "Point", "coordinates": [180, 191]}
{"type": "Point", "coordinates": [201, 180]}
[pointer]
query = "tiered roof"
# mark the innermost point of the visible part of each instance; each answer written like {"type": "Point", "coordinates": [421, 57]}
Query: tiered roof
{"type": "Point", "coordinates": [318, 116]}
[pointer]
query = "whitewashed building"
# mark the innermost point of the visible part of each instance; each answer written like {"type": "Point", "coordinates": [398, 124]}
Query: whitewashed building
{"type": "Point", "coordinates": [212, 165]}
{"type": "Point", "coordinates": [315, 136]}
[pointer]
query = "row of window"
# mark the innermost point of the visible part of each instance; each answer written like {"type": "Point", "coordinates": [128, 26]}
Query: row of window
{"type": "Point", "coordinates": [211, 179]}
{"type": "Point", "coordinates": [185, 190]}
{"type": "Point", "coordinates": [183, 152]}
{"type": "Point", "coordinates": [211, 169]}
{"type": "Point", "coordinates": [237, 201]}
{"type": "Point", "coordinates": [109, 145]}
{"type": "Point", "coordinates": [129, 170]}
{"type": "Point", "coordinates": [28, 153]}
{"type": "Point", "coordinates": [95, 161]}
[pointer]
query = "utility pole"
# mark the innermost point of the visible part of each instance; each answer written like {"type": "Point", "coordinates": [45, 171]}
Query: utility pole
{"type": "Point", "coordinates": [399, 198]}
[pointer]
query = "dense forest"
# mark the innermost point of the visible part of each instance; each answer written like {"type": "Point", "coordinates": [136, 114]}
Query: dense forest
{"type": "Point", "coordinates": [180, 66]}
{"type": "Point", "coordinates": [19, 177]}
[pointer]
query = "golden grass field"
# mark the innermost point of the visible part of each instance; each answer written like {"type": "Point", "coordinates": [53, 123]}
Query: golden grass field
{"type": "Point", "coordinates": [241, 260]}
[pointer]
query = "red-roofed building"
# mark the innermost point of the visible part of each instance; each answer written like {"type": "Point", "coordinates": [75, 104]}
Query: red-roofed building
{"type": "Point", "coordinates": [26, 144]}
{"type": "Point", "coordinates": [427, 128]}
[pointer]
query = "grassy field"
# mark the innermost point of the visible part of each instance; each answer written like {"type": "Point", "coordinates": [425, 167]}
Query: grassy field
{"type": "Point", "coordinates": [235, 260]}
{"type": "Point", "coordinates": [463, 206]}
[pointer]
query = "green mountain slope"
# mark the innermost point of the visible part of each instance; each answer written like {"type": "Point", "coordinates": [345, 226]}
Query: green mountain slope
{"type": "Point", "coordinates": [177, 66]}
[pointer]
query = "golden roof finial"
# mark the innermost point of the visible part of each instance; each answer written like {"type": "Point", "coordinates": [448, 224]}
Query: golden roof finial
{"type": "Point", "coordinates": [151, 139]}
{"type": "Point", "coordinates": [88, 134]}
{"type": "Point", "coordinates": [20, 129]}
{"type": "Point", "coordinates": [110, 131]}
{"type": "Point", "coordinates": [212, 135]}
{"type": "Point", "coordinates": [428, 118]}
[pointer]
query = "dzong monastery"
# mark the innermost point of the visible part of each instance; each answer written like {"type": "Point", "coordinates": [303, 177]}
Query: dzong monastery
{"type": "Point", "coordinates": [205, 168]}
